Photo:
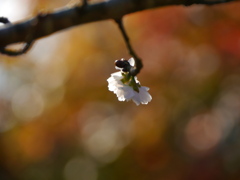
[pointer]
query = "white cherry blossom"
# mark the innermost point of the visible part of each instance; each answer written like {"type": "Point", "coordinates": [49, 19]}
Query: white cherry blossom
{"type": "Point", "coordinates": [127, 87]}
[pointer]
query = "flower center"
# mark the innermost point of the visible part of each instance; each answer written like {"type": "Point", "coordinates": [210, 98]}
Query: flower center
{"type": "Point", "coordinates": [130, 81]}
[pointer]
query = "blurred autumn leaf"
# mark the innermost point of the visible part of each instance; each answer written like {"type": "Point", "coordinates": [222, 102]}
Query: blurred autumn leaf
{"type": "Point", "coordinates": [59, 121]}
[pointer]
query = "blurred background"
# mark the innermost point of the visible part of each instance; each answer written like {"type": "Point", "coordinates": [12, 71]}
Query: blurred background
{"type": "Point", "coordinates": [58, 121]}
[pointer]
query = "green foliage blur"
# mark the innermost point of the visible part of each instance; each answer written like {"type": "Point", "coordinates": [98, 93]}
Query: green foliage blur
{"type": "Point", "coordinates": [58, 121]}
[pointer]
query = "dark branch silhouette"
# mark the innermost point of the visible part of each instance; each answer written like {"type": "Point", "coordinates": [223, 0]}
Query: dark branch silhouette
{"type": "Point", "coordinates": [8, 52]}
{"type": "Point", "coordinates": [138, 62]}
{"type": "Point", "coordinates": [45, 24]}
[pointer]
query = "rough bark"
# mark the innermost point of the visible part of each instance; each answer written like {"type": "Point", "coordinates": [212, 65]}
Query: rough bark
{"type": "Point", "coordinates": [45, 24]}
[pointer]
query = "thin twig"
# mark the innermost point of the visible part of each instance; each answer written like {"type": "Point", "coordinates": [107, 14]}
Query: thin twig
{"type": "Point", "coordinates": [138, 62]}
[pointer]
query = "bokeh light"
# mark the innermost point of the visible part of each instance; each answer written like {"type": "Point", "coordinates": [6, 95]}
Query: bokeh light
{"type": "Point", "coordinates": [59, 121]}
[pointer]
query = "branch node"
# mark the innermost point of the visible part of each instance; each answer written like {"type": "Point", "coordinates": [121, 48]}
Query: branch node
{"type": "Point", "coordinates": [80, 9]}
{"type": "Point", "coordinates": [9, 52]}
{"type": "Point", "coordinates": [4, 20]}
{"type": "Point", "coordinates": [42, 15]}
{"type": "Point", "coordinates": [85, 3]}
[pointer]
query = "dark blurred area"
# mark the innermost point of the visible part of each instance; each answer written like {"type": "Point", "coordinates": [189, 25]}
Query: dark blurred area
{"type": "Point", "coordinates": [58, 121]}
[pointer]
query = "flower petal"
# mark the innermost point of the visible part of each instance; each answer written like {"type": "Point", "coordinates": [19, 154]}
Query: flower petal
{"type": "Point", "coordinates": [142, 97]}
{"type": "Point", "coordinates": [128, 92]}
{"type": "Point", "coordinates": [131, 61]}
{"type": "Point", "coordinates": [125, 91]}
{"type": "Point", "coordinates": [145, 97]}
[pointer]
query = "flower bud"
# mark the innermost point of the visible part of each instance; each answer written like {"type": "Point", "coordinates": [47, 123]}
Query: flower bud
{"type": "Point", "coordinates": [124, 64]}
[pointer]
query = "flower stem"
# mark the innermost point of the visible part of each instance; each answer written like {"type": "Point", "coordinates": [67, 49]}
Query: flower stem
{"type": "Point", "coordinates": [138, 62]}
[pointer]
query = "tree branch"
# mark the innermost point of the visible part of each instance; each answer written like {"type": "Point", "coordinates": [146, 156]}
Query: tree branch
{"type": "Point", "coordinates": [8, 52]}
{"type": "Point", "coordinates": [47, 23]}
